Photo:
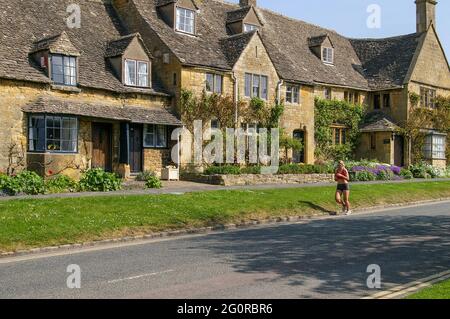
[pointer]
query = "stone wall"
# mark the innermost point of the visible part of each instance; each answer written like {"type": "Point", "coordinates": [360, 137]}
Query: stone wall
{"type": "Point", "coordinates": [14, 95]}
{"type": "Point", "coordinates": [260, 179]}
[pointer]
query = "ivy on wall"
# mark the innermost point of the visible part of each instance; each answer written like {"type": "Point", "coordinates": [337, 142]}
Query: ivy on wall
{"type": "Point", "coordinates": [329, 112]}
{"type": "Point", "coordinates": [422, 119]}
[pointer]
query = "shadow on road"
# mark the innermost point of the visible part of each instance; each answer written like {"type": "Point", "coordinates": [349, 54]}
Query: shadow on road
{"type": "Point", "coordinates": [336, 253]}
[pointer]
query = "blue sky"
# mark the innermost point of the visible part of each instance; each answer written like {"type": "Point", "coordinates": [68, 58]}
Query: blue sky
{"type": "Point", "coordinates": [348, 17]}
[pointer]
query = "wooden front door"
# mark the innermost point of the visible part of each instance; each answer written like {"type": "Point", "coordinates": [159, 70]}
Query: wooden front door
{"type": "Point", "coordinates": [136, 148]}
{"type": "Point", "coordinates": [399, 159]}
{"type": "Point", "coordinates": [101, 146]}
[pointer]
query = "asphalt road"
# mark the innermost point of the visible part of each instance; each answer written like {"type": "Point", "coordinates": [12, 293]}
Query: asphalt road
{"type": "Point", "coordinates": [315, 259]}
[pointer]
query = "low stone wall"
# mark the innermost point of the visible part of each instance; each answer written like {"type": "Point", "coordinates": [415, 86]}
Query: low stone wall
{"type": "Point", "coordinates": [259, 179]}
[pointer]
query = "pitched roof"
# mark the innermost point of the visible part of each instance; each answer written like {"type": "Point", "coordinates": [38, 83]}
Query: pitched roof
{"type": "Point", "coordinates": [238, 15]}
{"type": "Point", "coordinates": [130, 113]}
{"type": "Point", "coordinates": [386, 61]}
{"type": "Point", "coordinates": [26, 26]}
{"type": "Point", "coordinates": [378, 122]}
{"type": "Point", "coordinates": [285, 39]}
{"type": "Point", "coordinates": [59, 44]}
{"type": "Point", "coordinates": [119, 46]}
{"type": "Point", "coordinates": [234, 46]}
{"type": "Point", "coordinates": [316, 41]}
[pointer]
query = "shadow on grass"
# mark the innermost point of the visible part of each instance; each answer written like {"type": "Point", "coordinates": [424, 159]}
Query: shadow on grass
{"type": "Point", "coordinates": [317, 207]}
{"type": "Point", "coordinates": [335, 254]}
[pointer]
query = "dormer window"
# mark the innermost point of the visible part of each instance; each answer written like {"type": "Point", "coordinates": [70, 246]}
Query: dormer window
{"type": "Point", "coordinates": [250, 27]}
{"type": "Point", "coordinates": [136, 73]}
{"type": "Point", "coordinates": [185, 20]}
{"type": "Point", "coordinates": [64, 70]}
{"type": "Point", "coordinates": [328, 55]}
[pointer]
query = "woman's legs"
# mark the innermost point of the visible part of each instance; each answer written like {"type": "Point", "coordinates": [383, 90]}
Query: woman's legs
{"type": "Point", "coordinates": [346, 201]}
{"type": "Point", "coordinates": [339, 198]}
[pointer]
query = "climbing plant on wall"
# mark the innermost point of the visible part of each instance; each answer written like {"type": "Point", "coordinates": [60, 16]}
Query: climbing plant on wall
{"type": "Point", "coordinates": [420, 119]}
{"type": "Point", "coordinates": [329, 112]}
{"type": "Point", "coordinates": [207, 107]}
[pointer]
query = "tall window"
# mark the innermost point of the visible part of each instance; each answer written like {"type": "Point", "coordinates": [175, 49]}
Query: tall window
{"type": "Point", "coordinates": [250, 27]}
{"type": "Point", "coordinates": [386, 100]}
{"type": "Point", "coordinates": [53, 134]}
{"type": "Point", "coordinates": [351, 97]}
{"type": "Point", "coordinates": [214, 83]}
{"type": "Point", "coordinates": [136, 73]}
{"type": "Point", "coordinates": [256, 86]}
{"type": "Point", "coordinates": [377, 101]}
{"type": "Point", "coordinates": [427, 97]}
{"type": "Point", "coordinates": [64, 70]}
{"type": "Point", "coordinates": [434, 146]}
{"type": "Point", "coordinates": [292, 94]}
{"type": "Point", "coordinates": [185, 20]}
{"type": "Point", "coordinates": [327, 93]}
{"type": "Point", "coordinates": [328, 55]}
{"type": "Point", "coordinates": [155, 136]}
{"type": "Point", "coordinates": [339, 135]}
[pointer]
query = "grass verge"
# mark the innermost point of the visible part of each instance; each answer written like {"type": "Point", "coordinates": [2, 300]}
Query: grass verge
{"type": "Point", "coordinates": [438, 291]}
{"type": "Point", "coordinates": [32, 223]}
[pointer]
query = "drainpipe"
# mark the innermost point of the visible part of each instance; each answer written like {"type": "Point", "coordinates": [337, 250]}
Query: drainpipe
{"type": "Point", "coordinates": [236, 97]}
{"type": "Point", "coordinates": [280, 83]}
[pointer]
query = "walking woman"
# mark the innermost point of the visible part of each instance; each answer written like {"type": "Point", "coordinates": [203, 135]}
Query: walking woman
{"type": "Point", "coordinates": [342, 178]}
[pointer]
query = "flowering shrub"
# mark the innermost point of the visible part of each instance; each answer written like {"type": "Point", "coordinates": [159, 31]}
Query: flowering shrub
{"type": "Point", "coordinates": [406, 174]}
{"type": "Point", "coordinates": [373, 172]}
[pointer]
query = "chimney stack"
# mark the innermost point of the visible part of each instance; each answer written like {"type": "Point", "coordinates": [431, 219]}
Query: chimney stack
{"type": "Point", "coordinates": [426, 14]}
{"type": "Point", "coordinates": [246, 3]}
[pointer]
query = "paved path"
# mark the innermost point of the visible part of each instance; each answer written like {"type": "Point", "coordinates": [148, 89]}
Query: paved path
{"type": "Point", "coordinates": [316, 259]}
{"type": "Point", "coordinates": [189, 187]}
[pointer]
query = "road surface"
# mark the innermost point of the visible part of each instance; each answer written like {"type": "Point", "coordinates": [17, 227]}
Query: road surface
{"type": "Point", "coordinates": [325, 258]}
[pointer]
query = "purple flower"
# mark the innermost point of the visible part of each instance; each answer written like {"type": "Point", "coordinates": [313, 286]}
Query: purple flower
{"type": "Point", "coordinates": [396, 170]}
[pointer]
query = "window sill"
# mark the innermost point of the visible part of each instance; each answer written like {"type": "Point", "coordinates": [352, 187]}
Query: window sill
{"type": "Point", "coordinates": [52, 153]}
{"type": "Point", "coordinates": [65, 88]}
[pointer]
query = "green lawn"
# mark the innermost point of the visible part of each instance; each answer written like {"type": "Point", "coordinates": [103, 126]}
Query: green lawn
{"type": "Point", "coordinates": [439, 291]}
{"type": "Point", "coordinates": [33, 223]}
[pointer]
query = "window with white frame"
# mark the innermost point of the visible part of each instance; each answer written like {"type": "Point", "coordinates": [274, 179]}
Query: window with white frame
{"type": "Point", "coordinates": [256, 86]}
{"type": "Point", "coordinates": [214, 83]}
{"type": "Point", "coordinates": [328, 55]}
{"type": "Point", "coordinates": [136, 73]}
{"type": "Point", "coordinates": [292, 94]}
{"type": "Point", "coordinates": [434, 146]}
{"type": "Point", "coordinates": [57, 134]}
{"type": "Point", "coordinates": [155, 136]}
{"type": "Point", "coordinates": [64, 70]}
{"type": "Point", "coordinates": [250, 27]}
{"type": "Point", "coordinates": [185, 20]}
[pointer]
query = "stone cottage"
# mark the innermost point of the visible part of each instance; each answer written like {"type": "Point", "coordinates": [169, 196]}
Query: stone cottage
{"type": "Point", "coordinates": [242, 50]}
{"type": "Point", "coordinates": [78, 97]}
{"type": "Point", "coordinates": [104, 91]}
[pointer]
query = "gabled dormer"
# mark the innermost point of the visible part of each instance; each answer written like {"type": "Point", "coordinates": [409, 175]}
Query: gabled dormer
{"type": "Point", "coordinates": [244, 19]}
{"type": "Point", "coordinates": [323, 48]}
{"type": "Point", "coordinates": [181, 15]}
{"type": "Point", "coordinates": [58, 57]}
{"type": "Point", "coordinates": [130, 60]}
